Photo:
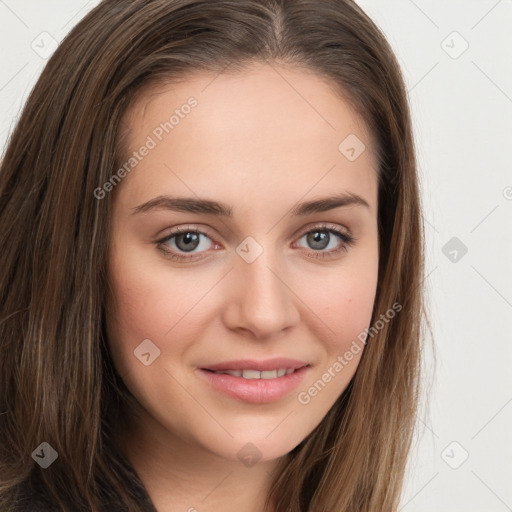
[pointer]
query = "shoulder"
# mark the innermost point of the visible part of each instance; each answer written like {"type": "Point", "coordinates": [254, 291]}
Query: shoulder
{"type": "Point", "coordinates": [31, 494]}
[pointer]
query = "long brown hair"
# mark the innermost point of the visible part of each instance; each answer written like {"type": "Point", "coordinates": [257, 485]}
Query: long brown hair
{"type": "Point", "coordinates": [57, 378]}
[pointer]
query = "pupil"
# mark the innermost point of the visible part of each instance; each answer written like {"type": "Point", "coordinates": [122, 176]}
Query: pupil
{"type": "Point", "coordinates": [318, 237]}
{"type": "Point", "coordinates": [189, 239]}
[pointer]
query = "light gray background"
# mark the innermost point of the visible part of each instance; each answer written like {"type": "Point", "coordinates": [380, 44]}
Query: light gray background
{"type": "Point", "coordinates": [462, 106]}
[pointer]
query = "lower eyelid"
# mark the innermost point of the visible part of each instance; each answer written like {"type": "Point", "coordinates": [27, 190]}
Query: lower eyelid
{"type": "Point", "coordinates": [346, 240]}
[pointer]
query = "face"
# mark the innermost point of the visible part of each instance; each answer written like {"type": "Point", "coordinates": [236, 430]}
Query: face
{"type": "Point", "coordinates": [222, 258]}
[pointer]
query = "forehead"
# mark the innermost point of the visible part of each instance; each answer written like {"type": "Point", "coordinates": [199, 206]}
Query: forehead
{"type": "Point", "coordinates": [267, 128]}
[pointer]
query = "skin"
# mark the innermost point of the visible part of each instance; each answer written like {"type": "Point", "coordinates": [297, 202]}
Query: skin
{"type": "Point", "coordinates": [261, 141]}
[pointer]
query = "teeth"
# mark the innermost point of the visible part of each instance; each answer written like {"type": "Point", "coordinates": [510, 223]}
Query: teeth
{"type": "Point", "coordinates": [235, 373]}
{"type": "Point", "coordinates": [251, 374]}
{"type": "Point", "coordinates": [255, 374]}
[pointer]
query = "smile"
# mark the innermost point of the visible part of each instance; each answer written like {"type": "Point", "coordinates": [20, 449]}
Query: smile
{"type": "Point", "coordinates": [254, 386]}
{"type": "Point", "coordinates": [255, 374]}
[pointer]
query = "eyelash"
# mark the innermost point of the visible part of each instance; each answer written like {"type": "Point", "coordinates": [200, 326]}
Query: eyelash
{"type": "Point", "coordinates": [347, 241]}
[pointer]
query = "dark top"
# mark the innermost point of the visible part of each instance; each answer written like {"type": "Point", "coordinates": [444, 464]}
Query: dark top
{"type": "Point", "coordinates": [34, 502]}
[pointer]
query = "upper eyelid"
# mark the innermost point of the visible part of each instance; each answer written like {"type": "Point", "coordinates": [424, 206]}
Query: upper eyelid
{"type": "Point", "coordinates": [326, 226]}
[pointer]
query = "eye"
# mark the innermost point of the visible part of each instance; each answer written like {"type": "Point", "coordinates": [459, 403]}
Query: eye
{"type": "Point", "coordinates": [183, 240]}
{"type": "Point", "coordinates": [321, 237]}
{"type": "Point", "coordinates": [187, 239]}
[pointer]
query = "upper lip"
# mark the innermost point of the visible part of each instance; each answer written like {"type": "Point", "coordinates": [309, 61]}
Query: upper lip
{"type": "Point", "coordinates": [252, 364]}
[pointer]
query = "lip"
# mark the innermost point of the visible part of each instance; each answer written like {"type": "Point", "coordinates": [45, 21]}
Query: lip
{"type": "Point", "coordinates": [252, 364]}
{"type": "Point", "coordinates": [255, 391]}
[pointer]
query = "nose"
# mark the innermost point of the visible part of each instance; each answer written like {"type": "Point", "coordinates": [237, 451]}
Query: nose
{"type": "Point", "coordinates": [261, 299]}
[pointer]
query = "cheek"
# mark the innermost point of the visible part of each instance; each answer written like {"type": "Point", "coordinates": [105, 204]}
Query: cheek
{"type": "Point", "coordinates": [149, 300]}
{"type": "Point", "coordinates": [344, 303]}
{"type": "Point", "coordinates": [146, 308]}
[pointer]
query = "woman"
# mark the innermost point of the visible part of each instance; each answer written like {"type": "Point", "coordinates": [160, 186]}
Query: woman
{"type": "Point", "coordinates": [211, 287]}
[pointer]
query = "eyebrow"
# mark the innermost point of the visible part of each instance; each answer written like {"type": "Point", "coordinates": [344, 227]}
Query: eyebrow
{"type": "Point", "coordinates": [209, 207]}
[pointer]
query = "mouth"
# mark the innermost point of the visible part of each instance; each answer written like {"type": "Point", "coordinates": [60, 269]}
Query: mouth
{"type": "Point", "coordinates": [268, 382]}
{"type": "Point", "coordinates": [255, 374]}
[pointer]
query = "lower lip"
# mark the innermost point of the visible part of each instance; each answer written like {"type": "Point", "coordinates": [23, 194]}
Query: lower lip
{"type": "Point", "coordinates": [255, 391]}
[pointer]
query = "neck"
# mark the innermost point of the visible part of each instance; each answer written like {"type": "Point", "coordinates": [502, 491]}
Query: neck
{"type": "Point", "coordinates": [179, 475]}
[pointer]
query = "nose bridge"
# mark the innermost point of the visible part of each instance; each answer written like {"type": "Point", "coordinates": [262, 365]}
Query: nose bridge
{"type": "Point", "coordinates": [263, 302]}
